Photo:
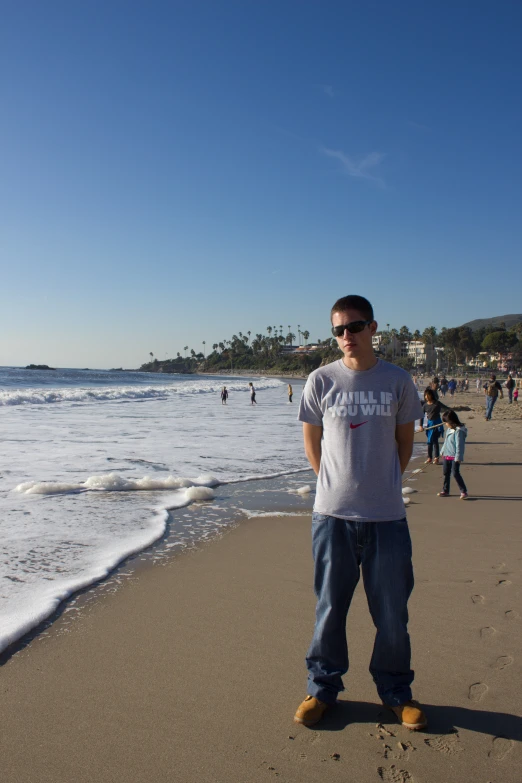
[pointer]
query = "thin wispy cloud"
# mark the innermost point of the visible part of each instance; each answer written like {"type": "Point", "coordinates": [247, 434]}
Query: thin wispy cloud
{"type": "Point", "coordinates": [418, 125]}
{"type": "Point", "coordinates": [327, 89]}
{"type": "Point", "coordinates": [361, 168]}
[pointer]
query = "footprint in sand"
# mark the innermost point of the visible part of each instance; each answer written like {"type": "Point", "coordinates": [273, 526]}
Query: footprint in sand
{"type": "Point", "coordinates": [401, 753]}
{"type": "Point", "coordinates": [449, 744]}
{"type": "Point", "coordinates": [394, 775]}
{"type": "Point", "coordinates": [511, 615]}
{"type": "Point", "coordinates": [498, 566]}
{"type": "Point", "coordinates": [487, 631]}
{"type": "Point", "coordinates": [502, 662]}
{"type": "Point", "coordinates": [478, 599]}
{"type": "Point", "coordinates": [477, 691]}
{"type": "Point", "coordinates": [503, 582]}
{"type": "Point", "coordinates": [500, 749]}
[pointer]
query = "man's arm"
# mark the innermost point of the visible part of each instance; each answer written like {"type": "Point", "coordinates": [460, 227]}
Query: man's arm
{"type": "Point", "coordinates": [313, 435]}
{"type": "Point", "coordinates": [404, 436]}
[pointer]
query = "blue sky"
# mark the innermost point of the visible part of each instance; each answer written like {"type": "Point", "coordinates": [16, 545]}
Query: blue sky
{"type": "Point", "coordinates": [173, 172]}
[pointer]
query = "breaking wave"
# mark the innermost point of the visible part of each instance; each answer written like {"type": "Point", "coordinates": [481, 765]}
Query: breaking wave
{"type": "Point", "coordinates": [46, 396]}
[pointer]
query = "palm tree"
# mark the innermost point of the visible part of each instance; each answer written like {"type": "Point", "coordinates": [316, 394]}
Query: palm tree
{"type": "Point", "coordinates": [306, 335]}
{"type": "Point", "coordinates": [178, 355]}
{"type": "Point", "coordinates": [204, 343]}
{"type": "Point", "coordinates": [151, 355]}
{"type": "Point", "coordinates": [185, 349]}
{"type": "Point", "coordinates": [215, 347]}
{"type": "Point", "coordinates": [299, 333]}
{"type": "Point", "coordinates": [249, 333]}
{"type": "Point", "coordinates": [269, 330]}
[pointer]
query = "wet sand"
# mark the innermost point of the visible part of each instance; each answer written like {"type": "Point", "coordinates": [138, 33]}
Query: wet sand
{"type": "Point", "coordinates": [192, 671]}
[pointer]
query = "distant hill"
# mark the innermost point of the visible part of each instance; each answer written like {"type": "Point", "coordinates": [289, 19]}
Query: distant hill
{"type": "Point", "coordinates": [509, 320]}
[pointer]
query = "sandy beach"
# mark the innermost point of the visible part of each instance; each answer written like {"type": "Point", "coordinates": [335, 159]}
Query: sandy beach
{"type": "Point", "coordinates": [193, 670]}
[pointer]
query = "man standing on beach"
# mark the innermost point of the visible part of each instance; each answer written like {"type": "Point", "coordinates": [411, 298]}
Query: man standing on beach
{"type": "Point", "coordinates": [492, 389]}
{"type": "Point", "coordinates": [358, 417]}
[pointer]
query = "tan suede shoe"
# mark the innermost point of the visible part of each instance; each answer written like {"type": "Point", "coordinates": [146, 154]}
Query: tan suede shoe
{"type": "Point", "coordinates": [310, 711]}
{"type": "Point", "coordinates": [410, 715]}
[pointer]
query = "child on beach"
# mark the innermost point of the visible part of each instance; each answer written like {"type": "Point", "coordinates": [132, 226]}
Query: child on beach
{"type": "Point", "coordinates": [432, 408]}
{"type": "Point", "coordinates": [515, 395]}
{"type": "Point", "coordinates": [453, 453]}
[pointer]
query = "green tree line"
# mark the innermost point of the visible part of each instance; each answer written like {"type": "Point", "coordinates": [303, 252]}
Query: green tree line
{"type": "Point", "coordinates": [265, 352]}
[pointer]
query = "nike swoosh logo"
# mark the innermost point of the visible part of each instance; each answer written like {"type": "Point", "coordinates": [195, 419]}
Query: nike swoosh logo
{"type": "Point", "coordinates": [354, 426]}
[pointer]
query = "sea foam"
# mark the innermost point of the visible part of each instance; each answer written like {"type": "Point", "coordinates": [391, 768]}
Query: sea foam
{"type": "Point", "coordinates": [112, 482]}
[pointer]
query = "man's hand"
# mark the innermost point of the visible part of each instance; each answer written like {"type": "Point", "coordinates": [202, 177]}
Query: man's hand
{"type": "Point", "coordinates": [313, 436]}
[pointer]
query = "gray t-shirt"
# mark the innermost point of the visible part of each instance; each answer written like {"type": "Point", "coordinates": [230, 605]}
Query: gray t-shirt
{"type": "Point", "coordinates": [360, 475]}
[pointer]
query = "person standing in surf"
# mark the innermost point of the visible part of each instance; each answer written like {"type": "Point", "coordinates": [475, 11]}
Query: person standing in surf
{"type": "Point", "coordinates": [290, 392]}
{"type": "Point", "coordinates": [224, 395]}
{"type": "Point", "coordinates": [252, 394]}
{"type": "Point", "coordinates": [358, 416]}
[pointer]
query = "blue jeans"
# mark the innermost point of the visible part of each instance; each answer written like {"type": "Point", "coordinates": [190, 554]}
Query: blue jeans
{"type": "Point", "coordinates": [490, 404]}
{"type": "Point", "coordinates": [383, 551]}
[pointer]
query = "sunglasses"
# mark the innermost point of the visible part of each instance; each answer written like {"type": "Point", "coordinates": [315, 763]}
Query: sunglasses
{"type": "Point", "coordinates": [353, 328]}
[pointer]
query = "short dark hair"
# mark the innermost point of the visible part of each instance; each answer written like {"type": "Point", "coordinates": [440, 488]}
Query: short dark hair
{"type": "Point", "coordinates": [493, 376]}
{"type": "Point", "coordinates": [353, 302]}
{"type": "Point", "coordinates": [431, 394]}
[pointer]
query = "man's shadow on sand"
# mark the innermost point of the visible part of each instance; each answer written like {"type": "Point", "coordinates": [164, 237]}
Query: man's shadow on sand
{"type": "Point", "coordinates": [441, 719]}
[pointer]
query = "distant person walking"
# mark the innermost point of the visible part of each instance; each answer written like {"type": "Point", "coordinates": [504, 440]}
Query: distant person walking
{"type": "Point", "coordinates": [510, 385]}
{"type": "Point", "coordinates": [224, 395]}
{"type": "Point", "coordinates": [443, 386]}
{"type": "Point", "coordinates": [479, 385]}
{"type": "Point", "coordinates": [432, 409]}
{"type": "Point", "coordinates": [252, 394]}
{"type": "Point", "coordinates": [452, 385]}
{"type": "Point", "coordinates": [453, 453]}
{"type": "Point", "coordinates": [290, 392]}
{"type": "Point", "coordinates": [492, 389]}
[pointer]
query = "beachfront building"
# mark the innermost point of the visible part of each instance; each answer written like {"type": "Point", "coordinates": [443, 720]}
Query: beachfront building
{"type": "Point", "coordinates": [422, 353]}
{"type": "Point", "coordinates": [300, 348]}
{"type": "Point", "coordinates": [386, 343]}
{"type": "Point", "coordinates": [501, 362]}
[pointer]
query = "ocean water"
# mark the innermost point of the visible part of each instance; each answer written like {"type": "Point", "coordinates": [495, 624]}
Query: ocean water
{"type": "Point", "coordinates": [96, 466]}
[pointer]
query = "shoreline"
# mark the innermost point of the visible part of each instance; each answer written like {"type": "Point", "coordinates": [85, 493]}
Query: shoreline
{"type": "Point", "coordinates": [162, 550]}
{"type": "Point", "coordinates": [192, 671]}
